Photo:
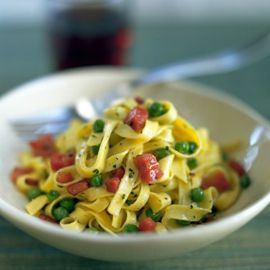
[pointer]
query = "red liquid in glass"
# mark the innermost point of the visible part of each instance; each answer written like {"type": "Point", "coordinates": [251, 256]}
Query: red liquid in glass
{"type": "Point", "coordinates": [84, 36]}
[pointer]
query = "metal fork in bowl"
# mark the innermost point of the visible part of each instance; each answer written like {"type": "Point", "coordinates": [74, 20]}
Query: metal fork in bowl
{"type": "Point", "coordinates": [56, 120]}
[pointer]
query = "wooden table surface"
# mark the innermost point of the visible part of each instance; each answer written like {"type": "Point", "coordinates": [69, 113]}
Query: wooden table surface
{"type": "Point", "coordinates": [25, 55]}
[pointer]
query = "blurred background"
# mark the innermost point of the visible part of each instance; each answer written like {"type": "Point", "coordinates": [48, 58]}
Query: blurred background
{"type": "Point", "coordinates": [37, 36]}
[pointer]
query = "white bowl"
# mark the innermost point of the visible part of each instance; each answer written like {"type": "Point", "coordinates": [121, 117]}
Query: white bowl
{"type": "Point", "coordinates": [226, 118]}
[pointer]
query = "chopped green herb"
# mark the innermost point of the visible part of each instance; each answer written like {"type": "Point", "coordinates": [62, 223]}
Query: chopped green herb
{"type": "Point", "coordinates": [95, 149]}
{"type": "Point", "coordinates": [131, 174]}
{"type": "Point", "coordinates": [129, 202]}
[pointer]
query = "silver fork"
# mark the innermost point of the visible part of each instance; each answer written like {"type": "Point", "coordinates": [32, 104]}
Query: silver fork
{"type": "Point", "coordinates": [56, 120]}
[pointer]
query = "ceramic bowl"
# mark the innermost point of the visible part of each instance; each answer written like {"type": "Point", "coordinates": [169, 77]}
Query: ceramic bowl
{"type": "Point", "coordinates": [226, 118]}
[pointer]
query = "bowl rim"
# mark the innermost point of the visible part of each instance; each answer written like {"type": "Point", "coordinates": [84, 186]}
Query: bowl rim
{"type": "Point", "coordinates": [12, 213]}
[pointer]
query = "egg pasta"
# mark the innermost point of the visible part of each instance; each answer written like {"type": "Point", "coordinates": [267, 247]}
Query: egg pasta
{"type": "Point", "coordinates": [142, 167]}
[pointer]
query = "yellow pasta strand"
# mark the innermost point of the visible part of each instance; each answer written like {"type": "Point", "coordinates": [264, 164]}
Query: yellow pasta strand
{"type": "Point", "coordinates": [159, 201]}
{"type": "Point", "coordinates": [126, 184]}
{"type": "Point", "coordinates": [36, 204]}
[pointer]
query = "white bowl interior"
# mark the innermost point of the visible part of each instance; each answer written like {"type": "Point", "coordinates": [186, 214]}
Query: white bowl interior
{"type": "Point", "coordinates": [226, 119]}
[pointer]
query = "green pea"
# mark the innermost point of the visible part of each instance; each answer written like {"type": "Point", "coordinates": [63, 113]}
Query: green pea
{"type": "Point", "coordinates": [99, 125]}
{"type": "Point", "coordinates": [95, 149]}
{"type": "Point", "coordinates": [155, 216]}
{"type": "Point", "coordinates": [60, 213]}
{"type": "Point", "coordinates": [52, 195]}
{"type": "Point", "coordinates": [183, 222]}
{"type": "Point", "coordinates": [192, 147]}
{"type": "Point", "coordinates": [192, 163]}
{"type": "Point", "coordinates": [161, 153]}
{"type": "Point", "coordinates": [68, 204]}
{"type": "Point", "coordinates": [156, 109]}
{"type": "Point", "coordinates": [182, 147]}
{"type": "Point", "coordinates": [34, 193]}
{"type": "Point", "coordinates": [245, 181]}
{"type": "Point", "coordinates": [197, 194]}
{"type": "Point", "coordinates": [185, 147]}
{"type": "Point", "coordinates": [130, 228]}
{"type": "Point", "coordinates": [96, 180]}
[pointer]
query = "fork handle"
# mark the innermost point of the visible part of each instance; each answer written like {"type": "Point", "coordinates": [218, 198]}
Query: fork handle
{"type": "Point", "coordinates": [220, 62]}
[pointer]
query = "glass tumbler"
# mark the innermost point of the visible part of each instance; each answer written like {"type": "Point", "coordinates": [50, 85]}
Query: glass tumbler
{"type": "Point", "coordinates": [89, 32]}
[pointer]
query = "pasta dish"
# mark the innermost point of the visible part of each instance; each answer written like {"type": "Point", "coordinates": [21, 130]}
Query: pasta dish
{"type": "Point", "coordinates": [140, 168]}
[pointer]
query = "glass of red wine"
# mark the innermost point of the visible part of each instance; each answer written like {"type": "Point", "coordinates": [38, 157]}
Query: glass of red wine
{"type": "Point", "coordinates": [89, 32]}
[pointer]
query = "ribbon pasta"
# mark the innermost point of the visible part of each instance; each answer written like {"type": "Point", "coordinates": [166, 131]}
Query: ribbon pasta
{"type": "Point", "coordinates": [104, 188]}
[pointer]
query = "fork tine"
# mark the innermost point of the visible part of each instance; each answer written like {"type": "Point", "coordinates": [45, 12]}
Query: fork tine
{"type": "Point", "coordinates": [54, 121]}
{"type": "Point", "coordinates": [32, 127]}
{"type": "Point", "coordinates": [49, 128]}
{"type": "Point", "coordinates": [53, 115]}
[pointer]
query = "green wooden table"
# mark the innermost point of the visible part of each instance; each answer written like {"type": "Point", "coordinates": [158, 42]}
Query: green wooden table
{"type": "Point", "coordinates": [24, 55]}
